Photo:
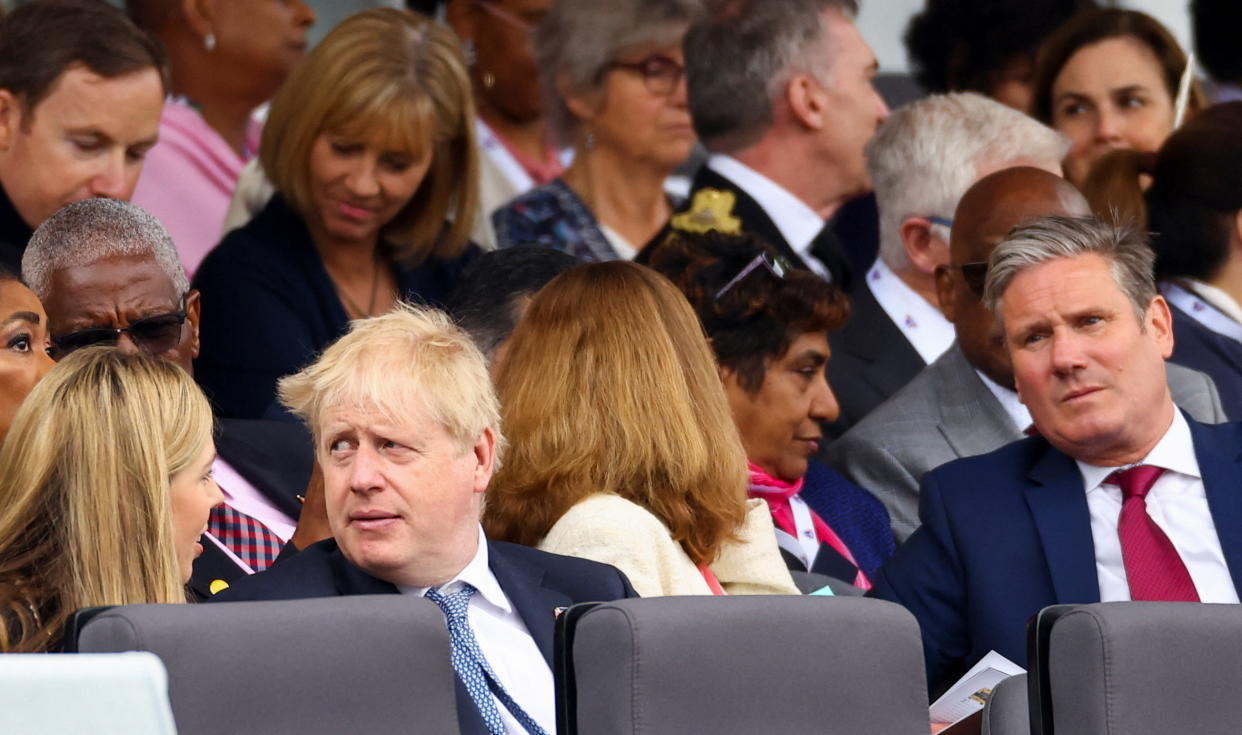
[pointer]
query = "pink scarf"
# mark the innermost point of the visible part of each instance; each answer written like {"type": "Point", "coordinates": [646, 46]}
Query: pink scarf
{"type": "Point", "coordinates": [776, 493]}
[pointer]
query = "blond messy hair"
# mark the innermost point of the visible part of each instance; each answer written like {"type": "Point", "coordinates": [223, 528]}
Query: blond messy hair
{"type": "Point", "coordinates": [412, 360]}
{"type": "Point", "coordinates": [403, 77]}
{"type": "Point", "coordinates": [85, 473]}
{"type": "Point", "coordinates": [609, 386]}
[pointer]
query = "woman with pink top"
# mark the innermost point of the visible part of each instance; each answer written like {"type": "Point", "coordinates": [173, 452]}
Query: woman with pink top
{"type": "Point", "coordinates": [228, 58]}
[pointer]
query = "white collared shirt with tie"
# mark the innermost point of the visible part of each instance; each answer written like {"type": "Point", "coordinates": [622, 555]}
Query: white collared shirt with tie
{"type": "Point", "coordinates": [505, 642]}
{"type": "Point", "coordinates": [1177, 503]}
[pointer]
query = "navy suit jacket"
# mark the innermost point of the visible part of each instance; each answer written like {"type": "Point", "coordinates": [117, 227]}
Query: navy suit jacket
{"type": "Point", "coordinates": [536, 582]}
{"type": "Point", "coordinates": [1198, 347]}
{"type": "Point", "coordinates": [1008, 533]}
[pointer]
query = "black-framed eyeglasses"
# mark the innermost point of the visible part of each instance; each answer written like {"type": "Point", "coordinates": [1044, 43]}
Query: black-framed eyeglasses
{"type": "Point", "coordinates": [775, 264]}
{"type": "Point", "coordinates": [660, 74]}
{"type": "Point", "coordinates": [153, 335]}
{"type": "Point", "coordinates": [975, 274]}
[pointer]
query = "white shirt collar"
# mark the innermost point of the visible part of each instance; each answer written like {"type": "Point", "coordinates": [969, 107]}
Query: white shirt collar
{"type": "Point", "coordinates": [1174, 452]}
{"type": "Point", "coordinates": [1218, 298]}
{"type": "Point", "coordinates": [1009, 401]}
{"type": "Point", "coordinates": [477, 574]}
{"type": "Point", "coordinates": [922, 324]}
{"type": "Point", "coordinates": [798, 223]}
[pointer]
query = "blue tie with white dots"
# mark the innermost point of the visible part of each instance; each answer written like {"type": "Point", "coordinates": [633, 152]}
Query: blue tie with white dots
{"type": "Point", "coordinates": [472, 668]}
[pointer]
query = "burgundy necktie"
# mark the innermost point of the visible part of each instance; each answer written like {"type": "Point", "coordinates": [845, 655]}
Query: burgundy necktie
{"type": "Point", "coordinates": [1153, 567]}
{"type": "Point", "coordinates": [252, 542]}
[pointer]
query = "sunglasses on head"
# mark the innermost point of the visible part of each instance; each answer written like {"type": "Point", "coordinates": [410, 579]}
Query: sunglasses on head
{"type": "Point", "coordinates": [775, 264]}
{"type": "Point", "coordinates": [153, 335]}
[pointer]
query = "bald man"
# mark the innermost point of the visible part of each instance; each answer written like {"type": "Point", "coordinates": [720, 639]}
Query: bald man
{"type": "Point", "coordinates": [964, 403]}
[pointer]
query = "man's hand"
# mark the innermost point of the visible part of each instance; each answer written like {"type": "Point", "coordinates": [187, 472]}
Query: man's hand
{"type": "Point", "coordinates": [313, 521]}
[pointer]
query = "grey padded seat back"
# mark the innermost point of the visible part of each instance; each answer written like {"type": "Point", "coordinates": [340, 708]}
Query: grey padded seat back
{"type": "Point", "coordinates": [746, 665]}
{"type": "Point", "coordinates": [1006, 711]}
{"type": "Point", "coordinates": [331, 665]}
{"type": "Point", "coordinates": [1140, 668]}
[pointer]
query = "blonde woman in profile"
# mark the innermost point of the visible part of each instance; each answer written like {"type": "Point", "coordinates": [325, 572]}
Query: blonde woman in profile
{"type": "Point", "coordinates": [622, 448]}
{"type": "Point", "coordinates": [105, 488]}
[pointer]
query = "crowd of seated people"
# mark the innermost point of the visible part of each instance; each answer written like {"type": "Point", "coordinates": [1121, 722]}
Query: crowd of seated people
{"type": "Point", "coordinates": [413, 359]}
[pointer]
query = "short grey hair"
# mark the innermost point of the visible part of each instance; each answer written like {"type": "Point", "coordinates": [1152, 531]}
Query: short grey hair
{"type": "Point", "coordinates": [577, 40]}
{"type": "Point", "coordinates": [92, 230]}
{"type": "Point", "coordinates": [740, 57]}
{"type": "Point", "coordinates": [1037, 241]}
{"type": "Point", "coordinates": [928, 153]}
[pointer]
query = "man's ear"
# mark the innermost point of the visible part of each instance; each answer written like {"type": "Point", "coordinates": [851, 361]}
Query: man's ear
{"type": "Point", "coordinates": [193, 311]}
{"type": "Point", "coordinates": [1160, 321]}
{"type": "Point", "coordinates": [807, 101]}
{"type": "Point", "coordinates": [10, 118]}
{"type": "Point", "coordinates": [485, 455]}
{"type": "Point", "coordinates": [924, 249]}
{"type": "Point", "coordinates": [946, 293]}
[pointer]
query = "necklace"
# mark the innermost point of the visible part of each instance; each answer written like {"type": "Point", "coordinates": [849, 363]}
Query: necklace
{"type": "Point", "coordinates": [350, 304]}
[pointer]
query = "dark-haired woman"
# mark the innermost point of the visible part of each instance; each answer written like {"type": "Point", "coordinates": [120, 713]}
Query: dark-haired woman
{"type": "Point", "coordinates": [768, 326]}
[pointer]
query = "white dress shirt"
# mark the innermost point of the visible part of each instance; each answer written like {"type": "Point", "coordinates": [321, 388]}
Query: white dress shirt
{"type": "Point", "coordinates": [922, 324]}
{"type": "Point", "coordinates": [798, 223]}
{"type": "Point", "coordinates": [1014, 408]}
{"type": "Point", "coordinates": [1177, 503]}
{"type": "Point", "coordinates": [505, 642]}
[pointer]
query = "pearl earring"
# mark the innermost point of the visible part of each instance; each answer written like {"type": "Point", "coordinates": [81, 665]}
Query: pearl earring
{"type": "Point", "coordinates": [209, 42]}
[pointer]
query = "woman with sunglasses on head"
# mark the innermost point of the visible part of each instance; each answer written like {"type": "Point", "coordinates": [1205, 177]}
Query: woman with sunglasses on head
{"type": "Point", "coordinates": [768, 326]}
{"type": "Point", "coordinates": [613, 74]}
{"type": "Point", "coordinates": [371, 147]}
{"type": "Point", "coordinates": [105, 489]}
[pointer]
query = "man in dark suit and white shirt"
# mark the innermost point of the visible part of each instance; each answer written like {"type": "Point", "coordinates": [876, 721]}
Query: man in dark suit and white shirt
{"type": "Point", "coordinates": [965, 403]}
{"type": "Point", "coordinates": [781, 96]}
{"type": "Point", "coordinates": [921, 162]}
{"type": "Point", "coordinates": [407, 431]}
{"type": "Point", "coordinates": [1119, 497]}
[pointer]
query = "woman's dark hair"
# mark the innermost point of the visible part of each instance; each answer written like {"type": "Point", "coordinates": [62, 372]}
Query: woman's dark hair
{"type": "Point", "coordinates": [1099, 25]}
{"type": "Point", "coordinates": [756, 320]}
{"type": "Point", "coordinates": [966, 45]}
{"type": "Point", "coordinates": [1196, 194]}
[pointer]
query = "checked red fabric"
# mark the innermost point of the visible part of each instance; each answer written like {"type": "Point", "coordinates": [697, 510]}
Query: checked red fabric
{"type": "Point", "coordinates": [252, 542]}
{"type": "Point", "coordinates": [1153, 567]}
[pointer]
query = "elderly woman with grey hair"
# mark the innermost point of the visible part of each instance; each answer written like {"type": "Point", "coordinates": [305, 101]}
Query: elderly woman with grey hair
{"type": "Point", "coordinates": [613, 74]}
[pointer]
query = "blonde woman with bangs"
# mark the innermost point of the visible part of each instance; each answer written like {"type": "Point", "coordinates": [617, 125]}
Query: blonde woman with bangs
{"type": "Point", "coordinates": [370, 148]}
{"type": "Point", "coordinates": [622, 447]}
{"type": "Point", "coordinates": [105, 489]}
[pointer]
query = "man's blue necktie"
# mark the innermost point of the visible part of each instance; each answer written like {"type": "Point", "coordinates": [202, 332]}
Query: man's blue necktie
{"type": "Point", "coordinates": [472, 668]}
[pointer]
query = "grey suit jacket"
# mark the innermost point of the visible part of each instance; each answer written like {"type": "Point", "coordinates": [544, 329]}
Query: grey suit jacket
{"type": "Point", "coordinates": [945, 413]}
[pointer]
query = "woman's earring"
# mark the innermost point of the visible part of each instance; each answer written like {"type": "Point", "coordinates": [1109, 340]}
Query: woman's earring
{"type": "Point", "coordinates": [471, 53]}
{"type": "Point", "coordinates": [209, 42]}
{"type": "Point", "coordinates": [489, 80]}
{"type": "Point", "coordinates": [588, 139]}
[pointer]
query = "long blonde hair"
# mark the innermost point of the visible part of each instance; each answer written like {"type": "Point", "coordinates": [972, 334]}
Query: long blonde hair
{"type": "Point", "coordinates": [608, 386]}
{"type": "Point", "coordinates": [398, 74]}
{"type": "Point", "coordinates": [84, 490]}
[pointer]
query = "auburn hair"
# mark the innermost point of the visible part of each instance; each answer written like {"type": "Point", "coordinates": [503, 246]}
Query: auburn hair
{"type": "Point", "coordinates": [608, 386]}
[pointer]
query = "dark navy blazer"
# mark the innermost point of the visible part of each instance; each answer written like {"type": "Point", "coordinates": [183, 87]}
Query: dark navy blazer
{"type": "Point", "coordinates": [1198, 347]}
{"type": "Point", "coordinates": [536, 582]}
{"type": "Point", "coordinates": [1008, 533]}
{"type": "Point", "coordinates": [269, 308]}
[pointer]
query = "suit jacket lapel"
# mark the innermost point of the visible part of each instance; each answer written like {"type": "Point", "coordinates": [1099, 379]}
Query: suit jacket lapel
{"type": "Point", "coordinates": [1219, 463]}
{"type": "Point", "coordinates": [523, 585]}
{"type": "Point", "coordinates": [972, 420]}
{"type": "Point", "coordinates": [350, 580]}
{"type": "Point", "coordinates": [1058, 506]}
{"type": "Point", "coordinates": [755, 220]}
{"type": "Point", "coordinates": [273, 457]}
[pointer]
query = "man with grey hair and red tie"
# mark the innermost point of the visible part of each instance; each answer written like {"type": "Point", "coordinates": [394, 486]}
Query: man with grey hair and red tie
{"type": "Point", "coordinates": [1121, 496]}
